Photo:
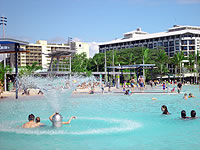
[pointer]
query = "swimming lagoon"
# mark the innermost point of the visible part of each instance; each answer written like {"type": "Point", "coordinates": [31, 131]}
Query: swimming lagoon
{"type": "Point", "coordinates": [104, 121]}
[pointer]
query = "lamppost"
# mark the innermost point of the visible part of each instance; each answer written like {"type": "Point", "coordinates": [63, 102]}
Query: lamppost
{"type": "Point", "coordinates": [105, 68]}
{"type": "Point", "coordinates": [3, 22]}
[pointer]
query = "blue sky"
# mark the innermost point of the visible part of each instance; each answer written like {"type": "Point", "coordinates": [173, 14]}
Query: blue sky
{"type": "Point", "coordinates": [94, 20]}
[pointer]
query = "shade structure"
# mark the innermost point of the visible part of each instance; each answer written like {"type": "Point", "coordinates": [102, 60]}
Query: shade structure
{"type": "Point", "coordinates": [8, 45]}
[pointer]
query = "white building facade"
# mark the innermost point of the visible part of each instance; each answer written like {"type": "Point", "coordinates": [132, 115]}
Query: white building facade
{"type": "Point", "coordinates": [82, 47]}
{"type": "Point", "coordinates": [39, 51]}
{"type": "Point", "coordinates": [177, 38]}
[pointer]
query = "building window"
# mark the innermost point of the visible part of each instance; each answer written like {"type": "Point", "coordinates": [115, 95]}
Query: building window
{"type": "Point", "coordinates": [191, 42]}
{"type": "Point", "coordinates": [184, 42]}
{"type": "Point", "coordinates": [171, 54]}
{"type": "Point", "coordinates": [171, 43]}
{"type": "Point", "coordinates": [165, 44]}
{"type": "Point", "coordinates": [177, 42]}
{"type": "Point", "coordinates": [150, 45]}
{"type": "Point", "coordinates": [171, 49]}
{"type": "Point", "coordinates": [184, 47]}
{"type": "Point", "coordinates": [177, 48]}
{"type": "Point", "coordinates": [191, 47]}
{"type": "Point", "coordinates": [160, 43]}
{"type": "Point", "coordinates": [185, 53]}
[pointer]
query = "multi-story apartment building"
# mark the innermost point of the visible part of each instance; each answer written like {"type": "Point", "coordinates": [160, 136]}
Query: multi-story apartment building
{"type": "Point", "coordinates": [177, 38]}
{"type": "Point", "coordinates": [39, 52]}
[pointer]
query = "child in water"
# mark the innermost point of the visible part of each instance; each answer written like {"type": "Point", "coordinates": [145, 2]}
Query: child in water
{"type": "Point", "coordinates": [165, 110]}
{"type": "Point", "coordinates": [191, 95]}
{"type": "Point", "coordinates": [185, 96]}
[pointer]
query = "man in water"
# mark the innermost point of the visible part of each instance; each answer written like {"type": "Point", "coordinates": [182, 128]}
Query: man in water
{"type": "Point", "coordinates": [58, 122]}
{"type": "Point", "coordinates": [193, 114]}
{"type": "Point", "coordinates": [183, 114]}
{"type": "Point", "coordinates": [31, 123]}
{"type": "Point", "coordinates": [179, 85]}
{"type": "Point", "coordinates": [141, 83]}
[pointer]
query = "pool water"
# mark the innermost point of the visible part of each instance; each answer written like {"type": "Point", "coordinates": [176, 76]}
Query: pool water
{"type": "Point", "coordinates": [104, 121]}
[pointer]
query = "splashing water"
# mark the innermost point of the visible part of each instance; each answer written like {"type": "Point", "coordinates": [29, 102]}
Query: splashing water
{"type": "Point", "coordinates": [54, 87]}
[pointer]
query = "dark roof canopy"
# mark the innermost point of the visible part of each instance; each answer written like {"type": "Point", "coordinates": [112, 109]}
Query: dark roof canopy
{"type": "Point", "coordinates": [58, 53]}
{"type": "Point", "coordinates": [7, 45]}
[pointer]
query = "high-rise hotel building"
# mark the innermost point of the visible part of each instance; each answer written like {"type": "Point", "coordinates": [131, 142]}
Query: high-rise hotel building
{"type": "Point", "coordinates": [39, 53]}
{"type": "Point", "coordinates": [177, 38]}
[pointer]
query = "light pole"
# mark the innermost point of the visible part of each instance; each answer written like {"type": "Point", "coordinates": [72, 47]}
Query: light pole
{"type": "Point", "coordinates": [113, 63]}
{"type": "Point", "coordinates": [105, 68]}
{"type": "Point", "coordinates": [3, 22]}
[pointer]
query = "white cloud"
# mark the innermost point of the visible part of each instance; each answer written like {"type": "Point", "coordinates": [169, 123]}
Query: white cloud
{"type": "Point", "coordinates": [76, 39]}
{"type": "Point", "coordinates": [57, 40]}
{"type": "Point", "coordinates": [94, 48]}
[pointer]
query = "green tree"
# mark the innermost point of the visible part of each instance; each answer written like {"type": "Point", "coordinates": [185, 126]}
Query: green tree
{"type": "Point", "coordinates": [191, 60]}
{"type": "Point", "coordinates": [29, 70]}
{"type": "Point", "coordinates": [80, 63]}
{"type": "Point", "coordinates": [161, 61]}
{"type": "Point", "coordinates": [176, 61]}
{"type": "Point", "coordinates": [98, 60]}
{"type": "Point", "coordinates": [4, 70]}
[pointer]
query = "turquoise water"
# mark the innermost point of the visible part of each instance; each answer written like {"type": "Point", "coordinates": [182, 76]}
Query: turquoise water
{"type": "Point", "coordinates": [104, 122]}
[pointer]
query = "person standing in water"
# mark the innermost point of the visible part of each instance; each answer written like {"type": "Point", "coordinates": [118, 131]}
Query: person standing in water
{"type": "Point", "coordinates": [179, 86]}
{"type": "Point", "coordinates": [56, 120]}
{"type": "Point", "coordinates": [30, 123]}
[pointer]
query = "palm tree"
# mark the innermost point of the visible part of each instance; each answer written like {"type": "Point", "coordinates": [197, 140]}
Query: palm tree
{"type": "Point", "coordinates": [29, 70]}
{"type": "Point", "coordinates": [191, 59]}
{"type": "Point", "coordinates": [176, 60]}
{"type": "Point", "coordinates": [98, 60]}
{"type": "Point", "coordinates": [161, 60]}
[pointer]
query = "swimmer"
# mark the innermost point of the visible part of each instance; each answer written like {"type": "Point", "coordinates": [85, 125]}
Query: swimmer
{"type": "Point", "coordinates": [185, 96]}
{"type": "Point", "coordinates": [183, 114]}
{"type": "Point", "coordinates": [68, 122]}
{"type": "Point", "coordinates": [191, 95]}
{"type": "Point", "coordinates": [31, 123]}
{"type": "Point", "coordinates": [91, 92]}
{"type": "Point", "coordinates": [40, 92]}
{"type": "Point", "coordinates": [37, 120]}
{"type": "Point", "coordinates": [164, 110]}
{"type": "Point", "coordinates": [153, 98]}
{"type": "Point", "coordinates": [173, 90]}
{"type": "Point", "coordinates": [193, 114]}
{"type": "Point", "coordinates": [127, 92]}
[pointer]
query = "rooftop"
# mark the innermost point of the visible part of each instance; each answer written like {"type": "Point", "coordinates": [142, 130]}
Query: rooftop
{"type": "Point", "coordinates": [140, 35]}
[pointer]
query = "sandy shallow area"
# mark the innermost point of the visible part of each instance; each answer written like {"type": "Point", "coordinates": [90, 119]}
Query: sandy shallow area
{"type": "Point", "coordinates": [34, 92]}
